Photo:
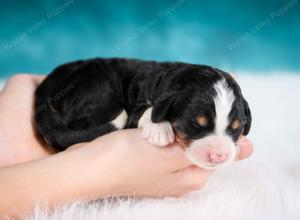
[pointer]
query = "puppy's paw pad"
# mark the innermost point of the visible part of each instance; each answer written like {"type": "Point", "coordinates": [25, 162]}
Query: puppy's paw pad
{"type": "Point", "coordinates": [159, 134]}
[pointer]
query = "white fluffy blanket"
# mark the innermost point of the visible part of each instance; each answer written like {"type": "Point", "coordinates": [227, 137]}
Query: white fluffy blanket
{"type": "Point", "coordinates": [266, 186]}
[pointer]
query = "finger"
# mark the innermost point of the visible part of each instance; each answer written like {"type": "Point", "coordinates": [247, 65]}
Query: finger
{"type": "Point", "coordinates": [172, 157]}
{"type": "Point", "coordinates": [20, 87]}
{"type": "Point", "coordinates": [175, 156]}
{"type": "Point", "coordinates": [246, 148]}
{"type": "Point", "coordinates": [21, 83]}
{"type": "Point", "coordinates": [39, 78]}
{"type": "Point", "coordinates": [183, 181]}
{"type": "Point", "coordinates": [192, 177]}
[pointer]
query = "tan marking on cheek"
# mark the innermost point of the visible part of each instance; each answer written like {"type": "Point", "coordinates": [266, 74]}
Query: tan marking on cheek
{"type": "Point", "coordinates": [241, 135]}
{"type": "Point", "coordinates": [235, 124]}
{"type": "Point", "coordinates": [202, 120]}
{"type": "Point", "coordinates": [181, 141]}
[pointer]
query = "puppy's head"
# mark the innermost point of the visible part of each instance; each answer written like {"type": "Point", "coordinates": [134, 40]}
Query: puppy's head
{"type": "Point", "coordinates": [208, 114]}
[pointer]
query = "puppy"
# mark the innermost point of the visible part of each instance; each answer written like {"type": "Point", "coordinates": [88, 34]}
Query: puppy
{"type": "Point", "coordinates": [200, 107]}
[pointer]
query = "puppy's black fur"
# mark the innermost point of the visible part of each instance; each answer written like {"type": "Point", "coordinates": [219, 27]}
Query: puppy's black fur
{"type": "Point", "coordinates": [78, 100]}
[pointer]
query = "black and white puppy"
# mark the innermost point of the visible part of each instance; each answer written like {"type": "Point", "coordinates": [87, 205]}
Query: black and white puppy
{"type": "Point", "coordinates": [199, 107]}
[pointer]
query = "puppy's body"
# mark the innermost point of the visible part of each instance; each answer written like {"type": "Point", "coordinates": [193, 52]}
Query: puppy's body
{"type": "Point", "coordinates": [168, 100]}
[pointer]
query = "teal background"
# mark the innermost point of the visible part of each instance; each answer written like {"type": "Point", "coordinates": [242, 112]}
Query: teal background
{"type": "Point", "coordinates": [256, 36]}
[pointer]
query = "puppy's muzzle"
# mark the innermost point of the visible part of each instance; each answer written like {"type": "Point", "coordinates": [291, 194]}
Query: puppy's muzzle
{"type": "Point", "coordinates": [212, 151]}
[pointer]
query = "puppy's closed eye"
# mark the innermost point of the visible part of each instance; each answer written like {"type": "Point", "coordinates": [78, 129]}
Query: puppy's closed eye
{"type": "Point", "coordinates": [202, 120]}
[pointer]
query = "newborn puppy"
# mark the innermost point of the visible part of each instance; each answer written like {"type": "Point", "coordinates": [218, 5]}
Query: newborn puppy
{"type": "Point", "coordinates": [199, 107]}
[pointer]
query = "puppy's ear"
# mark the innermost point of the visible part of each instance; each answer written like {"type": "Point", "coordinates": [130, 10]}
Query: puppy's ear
{"type": "Point", "coordinates": [248, 117]}
{"type": "Point", "coordinates": [161, 109]}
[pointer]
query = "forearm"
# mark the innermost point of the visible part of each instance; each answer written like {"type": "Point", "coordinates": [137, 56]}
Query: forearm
{"type": "Point", "coordinates": [63, 177]}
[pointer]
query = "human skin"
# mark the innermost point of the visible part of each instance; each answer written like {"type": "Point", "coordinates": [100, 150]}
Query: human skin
{"type": "Point", "coordinates": [117, 164]}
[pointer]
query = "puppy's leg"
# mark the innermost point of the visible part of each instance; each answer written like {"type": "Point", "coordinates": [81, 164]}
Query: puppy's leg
{"type": "Point", "coordinates": [160, 134]}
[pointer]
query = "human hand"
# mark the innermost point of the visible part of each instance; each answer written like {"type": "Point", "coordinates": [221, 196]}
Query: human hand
{"type": "Point", "coordinates": [133, 166]}
{"type": "Point", "coordinates": [18, 139]}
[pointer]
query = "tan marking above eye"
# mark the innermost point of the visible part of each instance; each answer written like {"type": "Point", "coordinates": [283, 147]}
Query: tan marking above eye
{"type": "Point", "coordinates": [202, 120]}
{"type": "Point", "coordinates": [235, 124]}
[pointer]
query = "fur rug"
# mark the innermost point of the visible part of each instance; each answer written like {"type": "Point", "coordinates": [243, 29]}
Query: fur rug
{"type": "Point", "coordinates": [266, 186]}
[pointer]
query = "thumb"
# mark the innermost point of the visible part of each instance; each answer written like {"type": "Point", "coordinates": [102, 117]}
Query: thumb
{"type": "Point", "coordinates": [246, 148]}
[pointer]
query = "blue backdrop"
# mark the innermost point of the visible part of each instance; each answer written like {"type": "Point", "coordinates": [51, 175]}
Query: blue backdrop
{"type": "Point", "coordinates": [235, 35]}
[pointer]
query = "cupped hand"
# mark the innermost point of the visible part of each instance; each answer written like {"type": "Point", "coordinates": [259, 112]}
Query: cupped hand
{"type": "Point", "coordinates": [19, 142]}
{"type": "Point", "coordinates": [139, 168]}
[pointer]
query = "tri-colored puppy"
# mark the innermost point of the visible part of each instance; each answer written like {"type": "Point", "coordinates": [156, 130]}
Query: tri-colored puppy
{"type": "Point", "coordinates": [200, 107]}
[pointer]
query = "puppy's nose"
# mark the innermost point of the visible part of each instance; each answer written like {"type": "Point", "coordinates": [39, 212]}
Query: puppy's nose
{"type": "Point", "coordinates": [217, 158]}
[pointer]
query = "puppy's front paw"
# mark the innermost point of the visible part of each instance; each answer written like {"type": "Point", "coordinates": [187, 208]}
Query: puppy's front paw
{"type": "Point", "coordinates": [160, 134]}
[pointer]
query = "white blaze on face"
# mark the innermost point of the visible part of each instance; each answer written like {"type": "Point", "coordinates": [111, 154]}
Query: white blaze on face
{"type": "Point", "coordinates": [223, 103]}
{"type": "Point", "coordinates": [218, 148]}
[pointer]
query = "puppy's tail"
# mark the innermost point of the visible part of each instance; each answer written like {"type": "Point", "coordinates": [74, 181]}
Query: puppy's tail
{"type": "Point", "coordinates": [56, 133]}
